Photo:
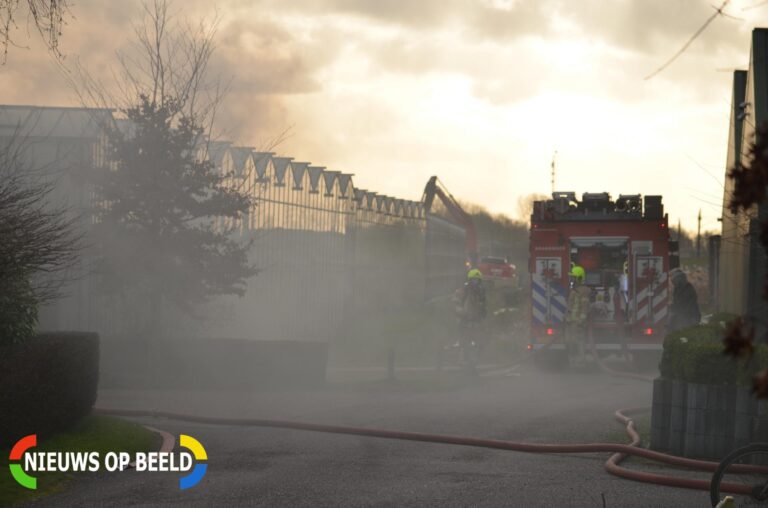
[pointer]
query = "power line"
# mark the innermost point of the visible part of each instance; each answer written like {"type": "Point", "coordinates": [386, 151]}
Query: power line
{"type": "Point", "coordinates": [717, 180]}
{"type": "Point", "coordinates": [718, 12]}
{"type": "Point", "coordinates": [705, 194]}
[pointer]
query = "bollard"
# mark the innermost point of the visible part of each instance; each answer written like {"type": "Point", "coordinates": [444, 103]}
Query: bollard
{"type": "Point", "coordinates": [660, 414]}
{"type": "Point", "coordinates": [677, 417]}
{"type": "Point", "coordinates": [746, 407]}
{"type": "Point", "coordinates": [691, 428]}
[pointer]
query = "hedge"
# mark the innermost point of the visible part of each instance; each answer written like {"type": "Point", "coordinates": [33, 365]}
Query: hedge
{"type": "Point", "coordinates": [47, 384]}
{"type": "Point", "coordinates": [18, 311]}
{"type": "Point", "coordinates": [696, 355]}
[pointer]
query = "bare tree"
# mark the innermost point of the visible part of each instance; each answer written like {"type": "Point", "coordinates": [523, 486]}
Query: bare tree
{"type": "Point", "coordinates": [39, 244]}
{"type": "Point", "coordinates": [525, 205]}
{"type": "Point", "coordinates": [48, 16]}
{"type": "Point", "coordinates": [167, 64]}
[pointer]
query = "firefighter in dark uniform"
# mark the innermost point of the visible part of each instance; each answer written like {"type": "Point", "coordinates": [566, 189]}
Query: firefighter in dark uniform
{"type": "Point", "coordinates": [685, 305]}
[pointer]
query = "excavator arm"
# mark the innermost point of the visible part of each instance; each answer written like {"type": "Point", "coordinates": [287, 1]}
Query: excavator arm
{"type": "Point", "coordinates": [435, 189]}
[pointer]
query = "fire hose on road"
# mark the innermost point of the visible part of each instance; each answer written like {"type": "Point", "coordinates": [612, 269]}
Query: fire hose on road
{"type": "Point", "coordinates": [620, 451]}
{"type": "Point", "coordinates": [612, 465]}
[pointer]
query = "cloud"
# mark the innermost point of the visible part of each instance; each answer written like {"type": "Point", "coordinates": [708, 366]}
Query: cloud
{"type": "Point", "coordinates": [272, 48]}
{"type": "Point", "coordinates": [269, 60]}
{"type": "Point", "coordinates": [264, 59]}
{"type": "Point", "coordinates": [511, 49]}
{"type": "Point", "coordinates": [421, 14]}
{"type": "Point", "coordinates": [504, 22]}
{"type": "Point", "coordinates": [653, 26]}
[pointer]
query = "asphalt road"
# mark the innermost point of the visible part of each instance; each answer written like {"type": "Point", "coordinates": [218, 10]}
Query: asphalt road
{"type": "Point", "coordinates": [271, 467]}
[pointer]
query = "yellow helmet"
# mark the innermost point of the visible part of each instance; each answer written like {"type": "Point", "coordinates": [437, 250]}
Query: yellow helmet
{"type": "Point", "coordinates": [474, 274]}
{"type": "Point", "coordinates": [578, 273]}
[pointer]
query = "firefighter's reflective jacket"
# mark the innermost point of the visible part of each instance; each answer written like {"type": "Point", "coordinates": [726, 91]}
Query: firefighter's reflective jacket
{"type": "Point", "coordinates": [578, 305]}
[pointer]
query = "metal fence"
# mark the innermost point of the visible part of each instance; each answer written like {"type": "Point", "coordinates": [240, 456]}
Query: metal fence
{"type": "Point", "coordinates": [446, 255]}
{"type": "Point", "coordinates": [327, 251]}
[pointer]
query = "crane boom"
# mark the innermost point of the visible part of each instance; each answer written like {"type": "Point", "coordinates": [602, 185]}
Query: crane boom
{"type": "Point", "coordinates": [435, 189]}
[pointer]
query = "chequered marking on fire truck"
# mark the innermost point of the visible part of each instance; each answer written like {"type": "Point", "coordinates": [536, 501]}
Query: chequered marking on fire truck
{"type": "Point", "coordinates": [557, 301]}
{"type": "Point", "coordinates": [660, 299]}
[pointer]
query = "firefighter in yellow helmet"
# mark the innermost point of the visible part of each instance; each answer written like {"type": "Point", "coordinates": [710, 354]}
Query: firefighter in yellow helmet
{"type": "Point", "coordinates": [473, 300]}
{"type": "Point", "coordinates": [578, 275]}
{"type": "Point", "coordinates": [577, 314]}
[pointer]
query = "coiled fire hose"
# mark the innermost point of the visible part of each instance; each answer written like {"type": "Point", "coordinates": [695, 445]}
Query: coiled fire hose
{"type": "Point", "coordinates": [612, 464]}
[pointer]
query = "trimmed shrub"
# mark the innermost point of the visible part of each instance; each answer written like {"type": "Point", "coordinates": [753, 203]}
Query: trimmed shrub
{"type": "Point", "coordinates": [48, 384]}
{"type": "Point", "coordinates": [18, 311]}
{"type": "Point", "coordinates": [696, 355]}
{"type": "Point", "coordinates": [721, 319]}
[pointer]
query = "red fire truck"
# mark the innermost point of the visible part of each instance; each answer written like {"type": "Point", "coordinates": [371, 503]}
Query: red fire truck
{"type": "Point", "coordinates": [498, 270]}
{"type": "Point", "coordinates": [624, 247]}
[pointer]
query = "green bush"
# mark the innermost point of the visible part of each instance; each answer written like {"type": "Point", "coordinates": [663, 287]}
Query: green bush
{"type": "Point", "coordinates": [18, 311]}
{"type": "Point", "coordinates": [720, 320]}
{"type": "Point", "coordinates": [696, 355]}
{"type": "Point", "coordinates": [48, 384]}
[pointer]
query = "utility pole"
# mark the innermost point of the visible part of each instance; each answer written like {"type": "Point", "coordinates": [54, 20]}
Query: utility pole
{"type": "Point", "coordinates": [554, 157]}
{"type": "Point", "coordinates": [698, 237]}
{"type": "Point", "coordinates": [679, 230]}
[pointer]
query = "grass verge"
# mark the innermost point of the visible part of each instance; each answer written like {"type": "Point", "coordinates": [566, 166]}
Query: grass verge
{"type": "Point", "coordinates": [93, 433]}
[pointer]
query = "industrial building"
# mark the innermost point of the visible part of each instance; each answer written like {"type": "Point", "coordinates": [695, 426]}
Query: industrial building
{"type": "Point", "coordinates": [742, 259]}
{"type": "Point", "coordinates": [322, 245]}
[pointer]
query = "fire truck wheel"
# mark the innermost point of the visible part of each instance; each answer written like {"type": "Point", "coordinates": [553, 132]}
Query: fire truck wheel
{"type": "Point", "coordinates": [551, 361]}
{"type": "Point", "coordinates": [646, 361]}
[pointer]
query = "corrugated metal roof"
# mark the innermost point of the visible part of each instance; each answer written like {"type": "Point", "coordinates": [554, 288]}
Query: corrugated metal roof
{"type": "Point", "coordinates": [281, 165]}
{"type": "Point", "coordinates": [261, 161]}
{"type": "Point", "coordinates": [344, 181]}
{"type": "Point", "coordinates": [329, 177]}
{"type": "Point", "coordinates": [53, 122]}
{"type": "Point", "coordinates": [298, 169]}
{"type": "Point", "coordinates": [89, 123]}
{"type": "Point", "coordinates": [239, 156]}
{"type": "Point", "coordinates": [314, 176]}
{"type": "Point", "coordinates": [216, 151]}
{"type": "Point", "coordinates": [370, 200]}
